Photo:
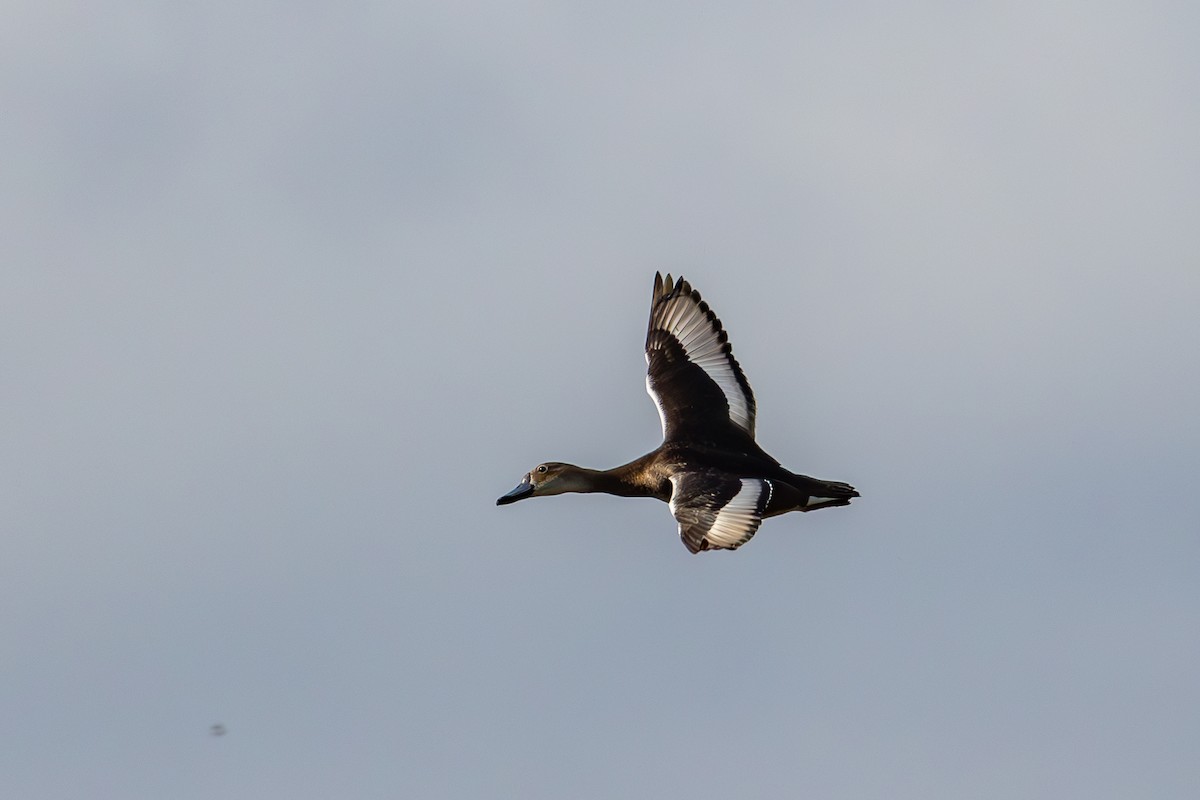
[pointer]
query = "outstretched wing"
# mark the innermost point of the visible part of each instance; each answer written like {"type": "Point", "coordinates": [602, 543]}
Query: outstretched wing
{"type": "Point", "coordinates": [716, 511]}
{"type": "Point", "coordinates": [691, 374]}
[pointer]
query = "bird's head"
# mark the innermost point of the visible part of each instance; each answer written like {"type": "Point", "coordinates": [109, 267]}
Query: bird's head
{"type": "Point", "coordinates": [553, 477]}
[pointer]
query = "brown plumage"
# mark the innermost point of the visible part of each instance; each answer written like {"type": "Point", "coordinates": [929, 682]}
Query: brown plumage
{"type": "Point", "coordinates": [719, 483]}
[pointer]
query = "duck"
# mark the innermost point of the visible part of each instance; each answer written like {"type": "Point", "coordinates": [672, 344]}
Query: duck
{"type": "Point", "coordinates": [718, 483]}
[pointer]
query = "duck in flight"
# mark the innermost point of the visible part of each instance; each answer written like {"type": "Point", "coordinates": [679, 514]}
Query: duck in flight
{"type": "Point", "coordinates": [719, 483]}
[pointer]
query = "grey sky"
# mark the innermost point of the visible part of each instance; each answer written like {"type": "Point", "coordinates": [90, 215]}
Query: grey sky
{"type": "Point", "coordinates": [290, 293]}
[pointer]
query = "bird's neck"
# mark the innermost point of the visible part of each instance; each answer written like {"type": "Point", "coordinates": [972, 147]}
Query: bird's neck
{"type": "Point", "coordinates": [628, 480]}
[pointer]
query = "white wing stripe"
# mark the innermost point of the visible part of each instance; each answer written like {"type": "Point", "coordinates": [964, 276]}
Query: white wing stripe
{"type": "Point", "coordinates": [700, 343]}
{"type": "Point", "coordinates": [703, 525]}
{"type": "Point", "coordinates": [680, 315]}
{"type": "Point", "coordinates": [739, 518]}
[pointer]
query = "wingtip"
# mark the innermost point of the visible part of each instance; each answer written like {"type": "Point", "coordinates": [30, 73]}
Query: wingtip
{"type": "Point", "coordinates": [667, 285]}
{"type": "Point", "coordinates": [679, 286]}
{"type": "Point", "coordinates": [664, 286]}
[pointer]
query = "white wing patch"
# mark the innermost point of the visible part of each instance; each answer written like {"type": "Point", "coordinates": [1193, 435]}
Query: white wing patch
{"type": "Point", "coordinates": [683, 318]}
{"type": "Point", "coordinates": [702, 526]}
{"type": "Point", "coordinates": [739, 520]}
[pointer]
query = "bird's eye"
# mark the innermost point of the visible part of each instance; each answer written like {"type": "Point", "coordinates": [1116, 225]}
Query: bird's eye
{"type": "Point", "coordinates": [542, 469]}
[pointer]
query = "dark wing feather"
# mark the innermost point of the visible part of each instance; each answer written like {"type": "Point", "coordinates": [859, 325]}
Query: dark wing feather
{"type": "Point", "coordinates": [692, 376]}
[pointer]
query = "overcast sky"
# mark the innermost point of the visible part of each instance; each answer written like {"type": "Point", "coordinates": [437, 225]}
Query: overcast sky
{"type": "Point", "coordinates": [290, 293]}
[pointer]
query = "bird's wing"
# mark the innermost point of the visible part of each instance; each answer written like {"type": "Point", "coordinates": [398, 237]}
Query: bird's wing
{"type": "Point", "coordinates": [717, 511]}
{"type": "Point", "coordinates": [691, 373]}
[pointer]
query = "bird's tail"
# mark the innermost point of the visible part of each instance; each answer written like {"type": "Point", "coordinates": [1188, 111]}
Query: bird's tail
{"type": "Point", "coordinates": [825, 494]}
